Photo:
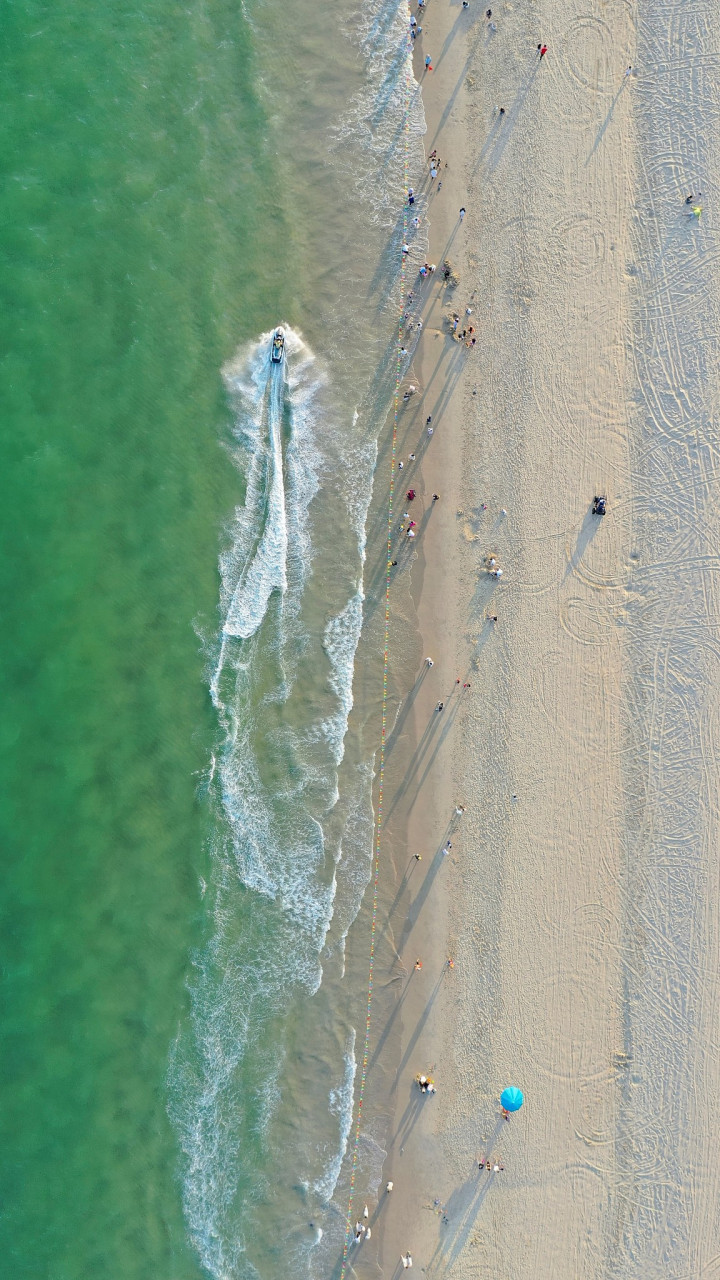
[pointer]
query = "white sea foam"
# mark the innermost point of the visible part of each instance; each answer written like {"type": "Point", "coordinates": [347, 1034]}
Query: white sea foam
{"type": "Point", "coordinates": [256, 564]}
{"type": "Point", "coordinates": [340, 1104]}
{"type": "Point", "coordinates": [375, 125]}
{"type": "Point", "coordinates": [355, 853]}
{"type": "Point", "coordinates": [340, 643]}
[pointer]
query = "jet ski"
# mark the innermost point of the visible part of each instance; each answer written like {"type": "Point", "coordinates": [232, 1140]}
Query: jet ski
{"type": "Point", "coordinates": [277, 350]}
{"type": "Point", "coordinates": [599, 506]}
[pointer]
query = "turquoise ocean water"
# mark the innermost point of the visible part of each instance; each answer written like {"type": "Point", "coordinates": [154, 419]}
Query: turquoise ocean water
{"type": "Point", "coordinates": [185, 822]}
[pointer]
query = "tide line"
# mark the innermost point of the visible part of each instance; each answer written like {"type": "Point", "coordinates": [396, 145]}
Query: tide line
{"type": "Point", "coordinates": [349, 1230]}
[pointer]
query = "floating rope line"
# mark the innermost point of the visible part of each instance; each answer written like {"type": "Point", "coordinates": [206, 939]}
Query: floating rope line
{"type": "Point", "coordinates": [349, 1230]}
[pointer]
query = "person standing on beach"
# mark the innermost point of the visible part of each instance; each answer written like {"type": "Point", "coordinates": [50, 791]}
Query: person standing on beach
{"type": "Point", "coordinates": [428, 63]}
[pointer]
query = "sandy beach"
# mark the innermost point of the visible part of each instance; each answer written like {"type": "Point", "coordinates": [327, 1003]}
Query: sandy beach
{"type": "Point", "coordinates": [578, 899]}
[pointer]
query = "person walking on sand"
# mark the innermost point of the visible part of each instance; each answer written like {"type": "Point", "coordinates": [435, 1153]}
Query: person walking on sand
{"type": "Point", "coordinates": [462, 213]}
{"type": "Point", "coordinates": [542, 48]}
{"type": "Point", "coordinates": [428, 63]}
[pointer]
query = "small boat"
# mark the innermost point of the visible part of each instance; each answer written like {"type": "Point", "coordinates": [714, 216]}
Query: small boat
{"type": "Point", "coordinates": [277, 350]}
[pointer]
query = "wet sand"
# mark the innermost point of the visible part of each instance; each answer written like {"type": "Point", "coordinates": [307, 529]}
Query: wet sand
{"type": "Point", "coordinates": [579, 900]}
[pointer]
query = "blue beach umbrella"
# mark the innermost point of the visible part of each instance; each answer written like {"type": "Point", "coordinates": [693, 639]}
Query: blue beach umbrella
{"type": "Point", "coordinates": [511, 1099]}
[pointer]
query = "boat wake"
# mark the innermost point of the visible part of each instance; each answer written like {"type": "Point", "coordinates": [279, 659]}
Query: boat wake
{"type": "Point", "coordinates": [281, 682]}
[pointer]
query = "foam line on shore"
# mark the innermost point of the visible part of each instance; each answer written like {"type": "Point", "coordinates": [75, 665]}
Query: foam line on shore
{"type": "Point", "coordinates": [399, 373]}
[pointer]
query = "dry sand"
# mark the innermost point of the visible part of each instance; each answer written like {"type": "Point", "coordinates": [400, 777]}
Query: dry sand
{"type": "Point", "coordinates": [579, 901]}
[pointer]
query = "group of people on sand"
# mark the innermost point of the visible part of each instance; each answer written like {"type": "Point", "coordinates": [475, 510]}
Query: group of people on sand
{"type": "Point", "coordinates": [426, 1083]}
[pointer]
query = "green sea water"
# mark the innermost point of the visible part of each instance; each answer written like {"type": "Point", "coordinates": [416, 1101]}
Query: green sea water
{"type": "Point", "coordinates": [185, 819]}
{"type": "Point", "coordinates": [139, 186]}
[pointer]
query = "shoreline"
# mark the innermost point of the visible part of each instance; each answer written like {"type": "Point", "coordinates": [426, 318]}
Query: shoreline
{"type": "Point", "coordinates": [419, 785]}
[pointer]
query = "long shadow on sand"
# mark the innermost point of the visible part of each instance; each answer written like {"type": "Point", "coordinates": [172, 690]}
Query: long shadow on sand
{"type": "Point", "coordinates": [404, 710]}
{"type": "Point", "coordinates": [462, 1209]}
{"type": "Point", "coordinates": [412, 779]}
{"type": "Point", "coordinates": [502, 126]}
{"type": "Point", "coordinates": [412, 1042]}
{"type": "Point", "coordinates": [390, 1022]}
{"type": "Point", "coordinates": [588, 529]}
{"type": "Point", "coordinates": [411, 1115]}
{"type": "Point", "coordinates": [605, 123]}
{"type": "Point", "coordinates": [440, 722]}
